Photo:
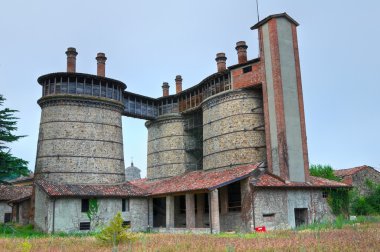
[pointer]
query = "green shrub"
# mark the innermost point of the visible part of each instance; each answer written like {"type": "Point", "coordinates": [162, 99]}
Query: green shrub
{"type": "Point", "coordinates": [115, 233]}
{"type": "Point", "coordinates": [323, 171]}
{"type": "Point", "coordinates": [366, 204]}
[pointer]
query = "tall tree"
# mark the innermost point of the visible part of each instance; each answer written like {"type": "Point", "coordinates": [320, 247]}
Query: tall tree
{"type": "Point", "coordinates": [10, 166]}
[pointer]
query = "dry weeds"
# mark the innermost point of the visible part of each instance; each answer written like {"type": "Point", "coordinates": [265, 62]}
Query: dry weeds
{"type": "Point", "coordinates": [363, 237]}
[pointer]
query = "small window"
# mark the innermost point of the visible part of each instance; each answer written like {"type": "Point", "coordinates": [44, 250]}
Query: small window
{"type": "Point", "coordinates": [84, 226]}
{"type": "Point", "coordinates": [125, 205]}
{"type": "Point", "coordinates": [7, 217]}
{"type": "Point", "coordinates": [85, 205]}
{"type": "Point", "coordinates": [126, 223]}
{"type": "Point", "coordinates": [247, 69]}
{"type": "Point", "coordinates": [325, 194]}
{"type": "Point", "coordinates": [268, 216]}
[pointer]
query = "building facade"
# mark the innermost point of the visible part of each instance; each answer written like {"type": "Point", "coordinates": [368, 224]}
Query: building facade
{"type": "Point", "coordinates": [358, 177]}
{"type": "Point", "coordinates": [228, 153]}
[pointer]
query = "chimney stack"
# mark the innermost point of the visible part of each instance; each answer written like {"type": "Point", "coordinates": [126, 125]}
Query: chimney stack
{"type": "Point", "coordinates": [241, 49]}
{"type": "Point", "coordinates": [71, 59]}
{"type": "Point", "coordinates": [178, 84]}
{"type": "Point", "coordinates": [221, 61]}
{"type": "Point", "coordinates": [165, 89]}
{"type": "Point", "coordinates": [101, 69]}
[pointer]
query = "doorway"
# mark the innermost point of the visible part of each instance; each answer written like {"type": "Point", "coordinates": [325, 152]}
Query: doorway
{"type": "Point", "coordinates": [159, 212]}
{"type": "Point", "coordinates": [300, 215]}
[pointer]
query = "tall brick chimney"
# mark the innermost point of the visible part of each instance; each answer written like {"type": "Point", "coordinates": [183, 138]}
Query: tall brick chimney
{"type": "Point", "coordinates": [165, 89]}
{"type": "Point", "coordinates": [178, 84]}
{"type": "Point", "coordinates": [241, 49]}
{"type": "Point", "coordinates": [221, 61]}
{"type": "Point", "coordinates": [101, 59]}
{"type": "Point", "coordinates": [71, 59]}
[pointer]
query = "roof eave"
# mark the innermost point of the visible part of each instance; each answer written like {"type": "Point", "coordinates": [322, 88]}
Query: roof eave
{"type": "Point", "coordinates": [265, 20]}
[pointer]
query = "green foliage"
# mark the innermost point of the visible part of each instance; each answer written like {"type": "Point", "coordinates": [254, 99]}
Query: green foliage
{"type": "Point", "coordinates": [366, 204]}
{"type": "Point", "coordinates": [10, 166]}
{"type": "Point", "coordinates": [115, 233]}
{"type": "Point", "coordinates": [323, 171]}
{"type": "Point", "coordinates": [339, 201]}
{"type": "Point", "coordinates": [92, 209]}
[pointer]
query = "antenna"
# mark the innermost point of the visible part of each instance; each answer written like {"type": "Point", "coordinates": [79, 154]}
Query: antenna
{"type": "Point", "coordinates": [257, 10]}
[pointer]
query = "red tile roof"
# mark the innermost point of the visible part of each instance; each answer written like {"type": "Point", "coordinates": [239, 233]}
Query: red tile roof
{"type": "Point", "coordinates": [351, 171]}
{"type": "Point", "coordinates": [125, 189]}
{"type": "Point", "coordinates": [10, 192]}
{"type": "Point", "coordinates": [270, 180]}
{"type": "Point", "coordinates": [195, 181]}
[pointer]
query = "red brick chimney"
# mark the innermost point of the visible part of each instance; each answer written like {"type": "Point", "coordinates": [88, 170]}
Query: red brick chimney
{"type": "Point", "coordinates": [71, 59]}
{"type": "Point", "coordinates": [221, 61]}
{"type": "Point", "coordinates": [178, 84]}
{"type": "Point", "coordinates": [241, 49]}
{"type": "Point", "coordinates": [165, 89]}
{"type": "Point", "coordinates": [101, 69]}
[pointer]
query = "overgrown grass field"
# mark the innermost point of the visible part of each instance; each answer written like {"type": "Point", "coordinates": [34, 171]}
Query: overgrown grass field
{"type": "Point", "coordinates": [344, 236]}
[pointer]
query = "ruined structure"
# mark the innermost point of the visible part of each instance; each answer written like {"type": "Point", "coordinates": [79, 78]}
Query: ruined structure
{"type": "Point", "coordinates": [358, 177]}
{"type": "Point", "coordinates": [229, 153]}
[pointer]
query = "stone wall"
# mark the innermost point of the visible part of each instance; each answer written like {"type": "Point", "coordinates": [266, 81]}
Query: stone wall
{"type": "Point", "coordinates": [80, 142]}
{"type": "Point", "coordinates": [167, 155]}
{"type": "Point", "coordinates": [233, 129]}
{"type": "Point", "coordinates": [274, 208]}
{"type": "Point", "coordinates": [359, 179]}
{"type": "Point", "coordinates": [23, 212]}
{"type": "Point", "coordinates": [4, 208]}
{"type": "Point", "coordinates": [67, 213]}
{"type": "Point", "coordinates": [43, 207]}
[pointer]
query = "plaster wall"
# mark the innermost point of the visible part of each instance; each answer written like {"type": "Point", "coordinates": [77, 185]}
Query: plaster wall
{"type": "Point", "coordinates": [274, 208]}
{"type": "Point", "coordinates": [291, 100]}
{"type": "Point", "coordinates": [4, 208]}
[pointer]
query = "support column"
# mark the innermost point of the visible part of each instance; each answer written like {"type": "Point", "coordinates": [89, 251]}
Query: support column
{"type": "Point", "coordinates": [214, 205]}
{"type": "Point", "coordinates": [200, 210]}
{"type": "Point", "coordinates": [223, 200]}
{"type": "Point", "coordinates": [246, 205]}
{"type": "Point", "coordinates": [169, 211]}
{"type": "Point", "coordinates": [190, 211]}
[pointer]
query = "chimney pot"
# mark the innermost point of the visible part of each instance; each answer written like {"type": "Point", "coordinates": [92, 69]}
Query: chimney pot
{"type": "Point", "coordinates": [178, 84]}
{"type": "Point", "coordinates": [241, 49]}
{"type": "Point", "coordinates": [101, 64]}
{"type": "Point", "coordinates": [165, 89]}
{"type": "Point", "coordinates": [71, 59]}
{"type": "Point", "coordinates": [221, 61]}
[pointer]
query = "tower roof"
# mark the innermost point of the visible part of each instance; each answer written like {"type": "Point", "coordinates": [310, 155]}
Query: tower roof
{"type": "Point", "coordinates": [284, 15]}
{"type": "Point", "coordinates": [132, 168]}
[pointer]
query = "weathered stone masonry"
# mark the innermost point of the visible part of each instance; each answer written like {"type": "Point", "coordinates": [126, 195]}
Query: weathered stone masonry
{"type": "Point", "coordinates": [226, 154]}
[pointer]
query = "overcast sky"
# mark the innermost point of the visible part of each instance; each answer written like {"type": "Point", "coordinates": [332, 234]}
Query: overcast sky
{"type": "Point", "coordinates": [148, 42]}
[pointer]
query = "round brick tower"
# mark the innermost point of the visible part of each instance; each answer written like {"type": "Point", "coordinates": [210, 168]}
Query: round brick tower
{"type": "Point", "coordinates": [80, 138]}
{"type": "Point", "coordinates": [167, 154]}
{"type": "Point", "coordinates": [233, 129]}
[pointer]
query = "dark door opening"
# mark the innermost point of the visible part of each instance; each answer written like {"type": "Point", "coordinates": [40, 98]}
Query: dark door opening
{"type": "Point", "coordinates": [159, 212]}
{"type": "Point", "coordinates": [300, 215]}
{"type": "Point", "coordinates": [7, 217]}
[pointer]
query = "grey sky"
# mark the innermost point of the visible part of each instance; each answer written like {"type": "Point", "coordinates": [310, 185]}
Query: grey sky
{"type": "Point", "coordinates": [148, 42]}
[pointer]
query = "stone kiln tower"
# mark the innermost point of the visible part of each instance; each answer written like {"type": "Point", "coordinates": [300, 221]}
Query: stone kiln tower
{"type": "Point", "coordinates": [80, 138]}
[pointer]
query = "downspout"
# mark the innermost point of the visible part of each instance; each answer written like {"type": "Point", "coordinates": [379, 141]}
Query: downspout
{"type": "Point", "coordinates": [53, 215]}
{"type": "Point", "coordinates": [253, 209]}
{"type": "Point", "coordinates": [209, 211]}
{"type": "Point", "coordinates": [148, 214]}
